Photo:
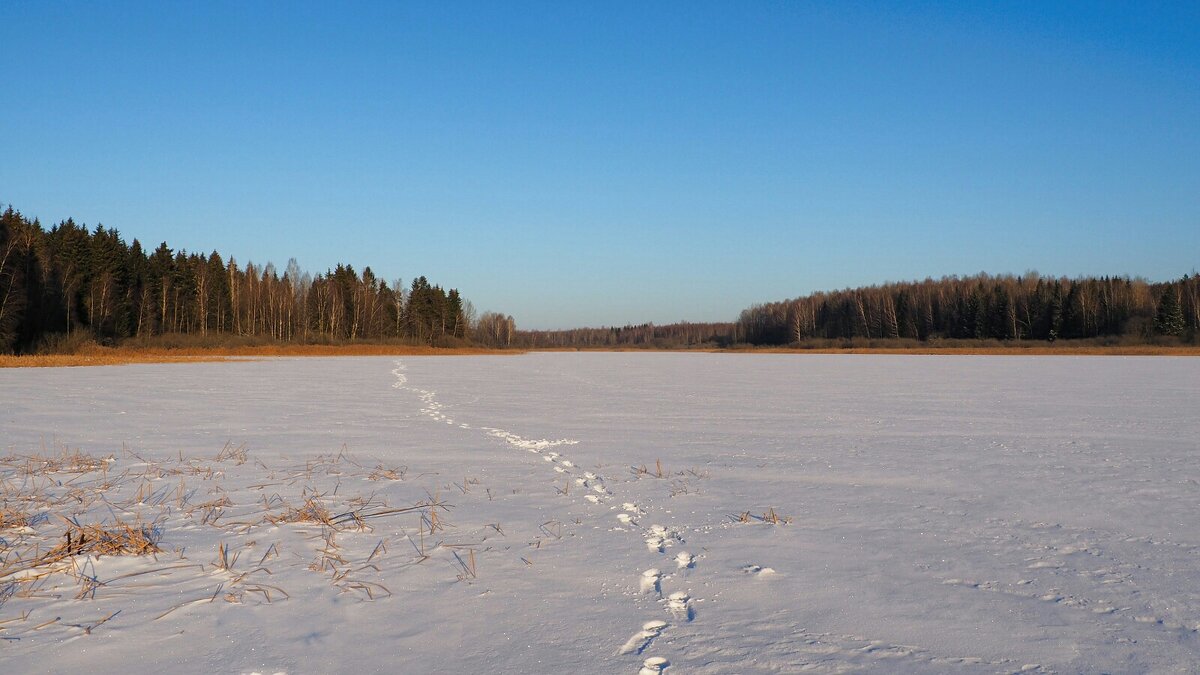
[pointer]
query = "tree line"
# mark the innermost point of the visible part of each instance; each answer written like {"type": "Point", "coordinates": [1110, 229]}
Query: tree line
{"type": "Point", "coordinates": [69, 280]}
{"type": "Point", "coordinates": [980, 307]}
{"type": "Point", "coordinates": [647, 335]}
{"type": "Point", "coordinates": [983, 307]}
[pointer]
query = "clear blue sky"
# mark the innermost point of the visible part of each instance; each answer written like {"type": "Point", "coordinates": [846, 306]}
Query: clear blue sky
{"type": "Point", "coordinates": [610, 163]}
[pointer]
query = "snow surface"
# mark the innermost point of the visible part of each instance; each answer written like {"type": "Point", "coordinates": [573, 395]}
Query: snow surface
{"type": "Point", "coordinates": [937, 514]}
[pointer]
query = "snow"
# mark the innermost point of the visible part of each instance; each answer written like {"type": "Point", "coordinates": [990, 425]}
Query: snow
{"type": "Point", "coordinates": [832, 513]}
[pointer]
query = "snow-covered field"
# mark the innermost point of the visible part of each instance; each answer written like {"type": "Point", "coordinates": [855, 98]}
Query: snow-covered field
{"type": "Point", "coordinates": [589, 513]}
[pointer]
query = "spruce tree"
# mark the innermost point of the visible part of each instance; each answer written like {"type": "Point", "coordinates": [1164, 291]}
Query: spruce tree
{"type": "Point", "coordinates": [1170, 314]}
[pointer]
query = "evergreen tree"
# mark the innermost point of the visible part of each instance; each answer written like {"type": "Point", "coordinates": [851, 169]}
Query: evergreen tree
{"type": "Point", "coordinates": [13, 294]}
{"type": "Point", "coordinates": [1170, 314]}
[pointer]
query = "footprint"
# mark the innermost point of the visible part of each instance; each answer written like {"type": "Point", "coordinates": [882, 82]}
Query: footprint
{"type": "Point", "coordinates": [592, 498]}
{"type": "Point", "coordinates": [685, 560]}
{"type": "Point", "coordinates": [652, 582]}
{"type": "Point", "coordinates": [679, 604]}
{"type": "Point", "coordinates": [642, 639]}
{"type": "Point", "coordinates": [654, 665]}
{"type": "Point", "coordinates": [625, 518]}
{"type": "Point", "coordinates": [758, 571]}
{"type": "Point", "coordinates": [660, 537]}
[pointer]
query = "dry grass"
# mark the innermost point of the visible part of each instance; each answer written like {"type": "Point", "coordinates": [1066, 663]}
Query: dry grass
{"type": "Point", "coordinates": [642, 471]}
{"type": "Point", "coordinates": [121, 505]}
{"type": "Point", "coordinates": [100, 539]}
{"type": "Point", "coordinates": [13, 517]}
{"type": "Point", "coordinates": [117, 538]}
{"type": "Point", "coordinates": [67, 461]}
{"type": "Point", "coordinates": [313, 511]}
{"type": "Point", "coordinates": [380, 472]}
{"type": "Point", "coordinates": [115, 356]}
{"type": "Point", "coordinates": [769, 517]}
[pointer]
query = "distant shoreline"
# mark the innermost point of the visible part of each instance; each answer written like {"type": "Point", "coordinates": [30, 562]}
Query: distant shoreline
{"type": "Point", "coordinates": [1014, 350]}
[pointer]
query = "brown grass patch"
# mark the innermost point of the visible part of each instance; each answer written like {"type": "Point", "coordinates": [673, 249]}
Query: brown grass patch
{"type": "Point", "coordinates": [67, 461]}
{"type": "Point", "coordinates": [114, 356]}
{"type": "Point", "coordinates": [312, 511]}
{"type": "Point", "coordinates": [119, 538]}
{"type": "Point", "coordinates": [12, 517]}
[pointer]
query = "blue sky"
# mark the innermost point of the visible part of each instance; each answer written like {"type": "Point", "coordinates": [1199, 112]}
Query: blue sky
{"type": "Point", "coordinates": [610, 163]}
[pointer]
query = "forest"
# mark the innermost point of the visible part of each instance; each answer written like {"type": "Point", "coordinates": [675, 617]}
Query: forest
{"type": "Point", "coordinates": [997, 309]}
{"type": "Point", "coordinates": [69, 283]}
{"type": "Point", "coordinates": [984, 307]}
{"type": "Point", "coordinates": [647, 335]}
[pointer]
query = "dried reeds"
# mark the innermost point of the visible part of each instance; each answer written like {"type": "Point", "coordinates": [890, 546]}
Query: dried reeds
{"type": "Point", "coordinates": [769, 517]}
{"type": "Point", "coordinates": [100, 539]}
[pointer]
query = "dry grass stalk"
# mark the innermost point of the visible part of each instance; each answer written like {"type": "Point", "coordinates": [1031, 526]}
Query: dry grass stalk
{"type": "Point", "coordinates": [775, 519]}
{"type": "Point", "coordinates": [224, 561]}
{"type": "Point", "coordinates": [429, 518]}
{"type": "Point", "coordinates": [265, 591]}
{"type": "Point", "coordinates": [381, 472]}
{"type": "Point", "coordinates": [237, 454]}
{"type": "Point", "coordinates": [769, 516]}
{"type": "Point", "coordinates": [551, 528]}
{"type": "Point", "coordinates": [370, 588]}
{"type": "Point", "coordinates": [640, 471]}
{"type": "Point", "coordinates": [469, 570]}
{"type": "Point", "coordinates": [381, 547]}
{"type": "Point", "coordinates": [272, 549]}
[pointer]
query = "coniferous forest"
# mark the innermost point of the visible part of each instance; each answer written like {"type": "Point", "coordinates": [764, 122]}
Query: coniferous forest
{"type": "Point", "coordinates": [71, 283]}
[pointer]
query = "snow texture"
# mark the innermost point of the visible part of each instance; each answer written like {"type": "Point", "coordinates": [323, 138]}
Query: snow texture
{"type": "Point", "coordinates": [674, 513]}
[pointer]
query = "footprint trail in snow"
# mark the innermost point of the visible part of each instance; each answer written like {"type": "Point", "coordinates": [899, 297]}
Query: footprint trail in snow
{"type": "Point", "coordinates": [657, 538]}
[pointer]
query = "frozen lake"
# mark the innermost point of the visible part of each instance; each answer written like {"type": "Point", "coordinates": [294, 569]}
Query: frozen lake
{"type": "Point", "coordinates": [939, 514]}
